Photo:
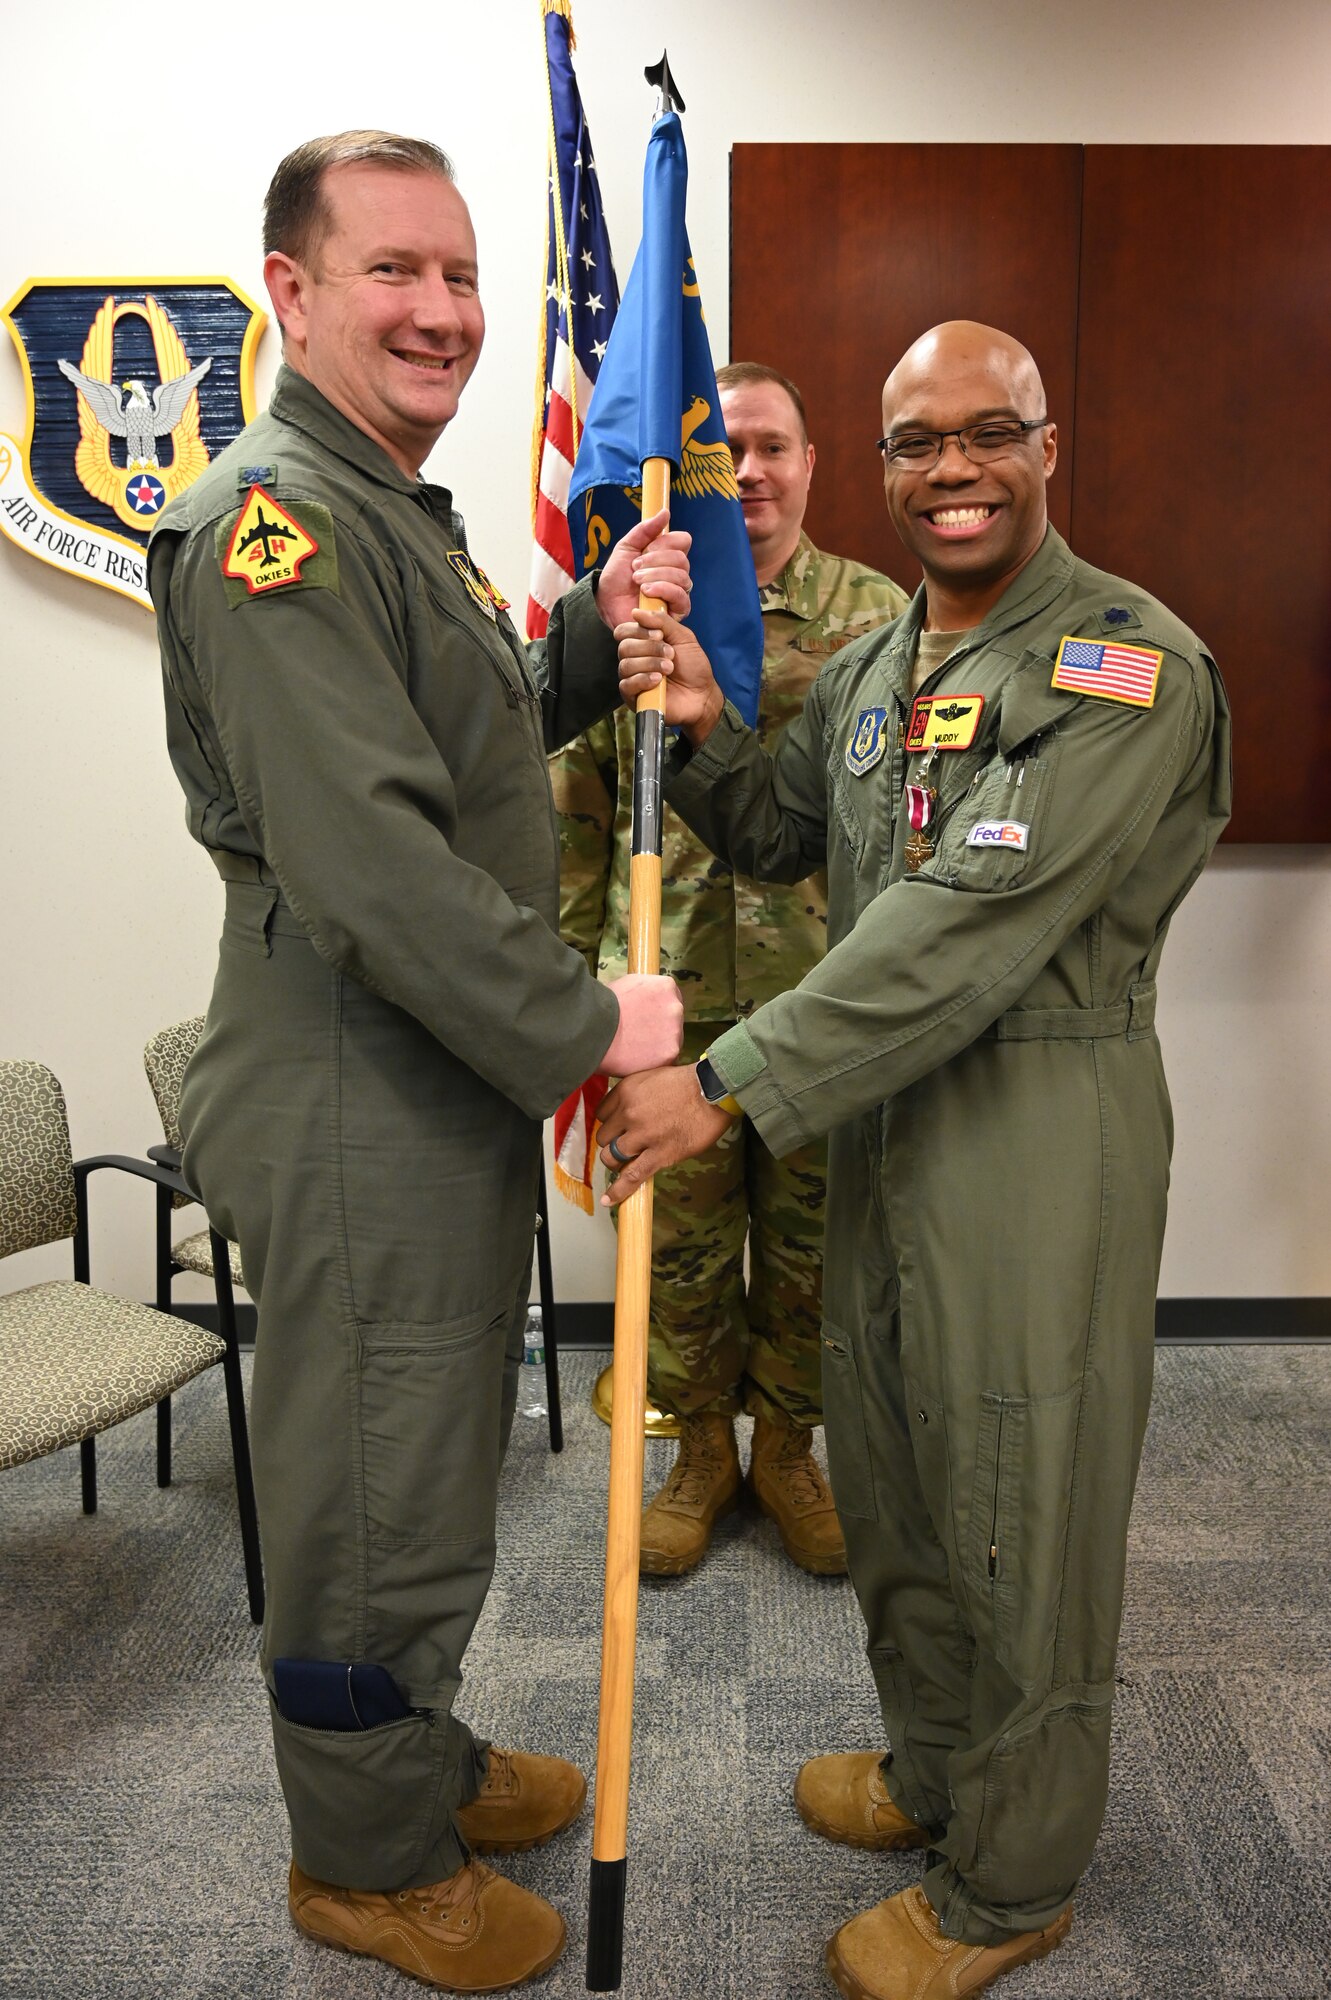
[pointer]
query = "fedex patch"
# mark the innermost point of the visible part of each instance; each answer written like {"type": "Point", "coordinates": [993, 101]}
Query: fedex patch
{"type": "Point", "coordinates": [999, 833]}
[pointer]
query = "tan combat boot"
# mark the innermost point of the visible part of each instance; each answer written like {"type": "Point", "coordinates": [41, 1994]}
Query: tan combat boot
{"type": "Point", "coordinates": [474, 1933]}
{"type": "Point", "coordinates": [523, 1802]}
{"type": "Point", "coordinates": [897, 1948]}
{"type": "Point", "coordinates": [703, 1485]}
{"type": "Point", "coordinates": [788, 1485]}
{"type": "Point", "coordinates": [844, 1797]}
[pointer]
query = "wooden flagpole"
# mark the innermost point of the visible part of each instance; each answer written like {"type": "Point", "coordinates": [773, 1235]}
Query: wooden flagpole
{"type": "Point", "coordinates": [633, 1278]}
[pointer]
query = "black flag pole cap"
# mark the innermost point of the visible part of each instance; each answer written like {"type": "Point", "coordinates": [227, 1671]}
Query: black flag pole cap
{"type": "Point", "coordinates": [659, 74]}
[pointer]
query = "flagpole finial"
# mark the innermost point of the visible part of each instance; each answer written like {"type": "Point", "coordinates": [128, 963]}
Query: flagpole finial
{"type": "Point", "coordinates": [659, 74]}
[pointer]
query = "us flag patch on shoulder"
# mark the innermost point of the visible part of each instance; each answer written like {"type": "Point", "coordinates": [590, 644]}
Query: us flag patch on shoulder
{"type": "Point", "coordinates": [1108, 669]}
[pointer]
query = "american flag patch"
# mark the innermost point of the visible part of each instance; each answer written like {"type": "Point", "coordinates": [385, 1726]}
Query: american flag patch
{"type": "Point", "coordinates": [1104, 667]}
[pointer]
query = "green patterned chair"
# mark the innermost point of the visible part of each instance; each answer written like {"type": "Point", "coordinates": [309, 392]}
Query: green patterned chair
{"type": "Point", "coordinates": [73, 1360]}
{"type": "Point", "coordinates": [206, 1252]}
{"type": "Point", "coordinates": [164, 1059]}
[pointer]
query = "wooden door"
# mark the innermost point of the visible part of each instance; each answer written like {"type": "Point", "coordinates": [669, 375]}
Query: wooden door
{"type": "Point", "coordinates": [1203, 415]}
{"type": "Point", "coordinates": [840, 256]}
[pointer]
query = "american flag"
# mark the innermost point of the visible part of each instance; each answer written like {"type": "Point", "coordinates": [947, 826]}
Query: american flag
{"type": "Point", "coordinates": [581, 300]}
{"type": "Point", "coordinates": [1118, 673]}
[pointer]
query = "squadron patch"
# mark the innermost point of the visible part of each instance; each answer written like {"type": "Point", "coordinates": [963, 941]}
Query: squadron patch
{"type": "Point", "coordinates": [1109, 669]}
{"type": "Point", "coordinates": [267, 545]}
{"type": "Point", "coordinates": [944, 722]}
{"type": "Point", "coordinates": [479, 587]}
{"type": "Point", "coordinates": [868, 741]}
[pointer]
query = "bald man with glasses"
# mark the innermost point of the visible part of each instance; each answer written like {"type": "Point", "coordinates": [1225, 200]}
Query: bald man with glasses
{"type": "Point", "coordinates": [1012, 788]}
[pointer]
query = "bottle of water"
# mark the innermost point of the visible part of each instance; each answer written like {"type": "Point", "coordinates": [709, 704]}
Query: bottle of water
{"type": "Point", "coordinates": [533, 1345]}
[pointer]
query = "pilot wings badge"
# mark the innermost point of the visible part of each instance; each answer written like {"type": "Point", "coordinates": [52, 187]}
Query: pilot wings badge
{"type": "Point", "coordinates": [133, 385]}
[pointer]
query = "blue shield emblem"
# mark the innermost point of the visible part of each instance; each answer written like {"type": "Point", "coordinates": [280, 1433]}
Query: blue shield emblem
{"type": "Point", "coordinates": [133, 385]}
{"type": "Point", "coordinates": [868, 741]}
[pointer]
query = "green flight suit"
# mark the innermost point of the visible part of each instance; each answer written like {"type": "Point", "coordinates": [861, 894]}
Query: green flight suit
{"type": "Point", "coordinates": [362, 751]}
{"type": "Point", "coordinates": [721, 1338]}
{"type": "Point", "coordinates": [979, 1044]}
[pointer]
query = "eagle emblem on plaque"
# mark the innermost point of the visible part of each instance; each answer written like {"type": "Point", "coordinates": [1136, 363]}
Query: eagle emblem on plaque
{"type": "Point", "coordinates": [133, 386]}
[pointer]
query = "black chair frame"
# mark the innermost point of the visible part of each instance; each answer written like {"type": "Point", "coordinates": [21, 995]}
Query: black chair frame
{"type": "Point", "coordinates": [162, 1169]}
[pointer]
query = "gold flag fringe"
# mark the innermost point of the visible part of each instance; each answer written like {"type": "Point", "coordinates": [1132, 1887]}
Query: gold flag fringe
{"type": "Point", "coordinates": [565, 13]}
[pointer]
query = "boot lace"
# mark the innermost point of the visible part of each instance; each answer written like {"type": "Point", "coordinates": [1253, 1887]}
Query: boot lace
{"type": "Point", "coordinates": [694, 1472]}
{"type": "Point", "coordinates": [793, 1466]}
{"type": "Point", "coordinates": [452, 1902]}
{"type": "Point", "coordinates": [499, 1780]}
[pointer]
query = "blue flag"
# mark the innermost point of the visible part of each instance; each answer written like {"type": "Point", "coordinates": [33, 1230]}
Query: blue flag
{"type": "Point", "coordinates": [656, 397]}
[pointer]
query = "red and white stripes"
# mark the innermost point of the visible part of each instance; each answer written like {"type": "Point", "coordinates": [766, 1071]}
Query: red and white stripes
{"type": "Point", "coordinates": [552, 551]}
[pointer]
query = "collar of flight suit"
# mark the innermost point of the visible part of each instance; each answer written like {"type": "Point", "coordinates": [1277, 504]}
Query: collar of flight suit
{"type": "Point", "coordinates": [296, 401]}
{"type": "Point", "coordinates": [1031, 590]}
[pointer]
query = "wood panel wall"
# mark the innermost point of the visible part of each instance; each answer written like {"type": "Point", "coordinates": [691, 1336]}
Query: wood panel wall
{"type": "Point", "coordinates": [1178, 301]}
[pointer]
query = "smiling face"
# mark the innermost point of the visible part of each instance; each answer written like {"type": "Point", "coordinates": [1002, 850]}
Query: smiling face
{"type": "Point", "coordinates": [773, 467]}
{"type": "Point", "coordinates": [385, 318]}
{"type": "Point", "coordinates": [973, 527]}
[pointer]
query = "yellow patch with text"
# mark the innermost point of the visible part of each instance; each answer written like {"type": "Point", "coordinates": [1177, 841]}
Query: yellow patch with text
{"type": "Point", "coordinates": [267, 545]}
{"type": "Point", "coordinates": [943, 722]}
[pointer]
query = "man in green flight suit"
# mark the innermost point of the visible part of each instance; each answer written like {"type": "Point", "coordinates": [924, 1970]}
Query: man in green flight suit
{"type": "Point", "coordinates": [715, 1345]}
{"type": "Point", "coordinates": [1005, 846]}
{"type": "Point", "coordinates": [361, 739]}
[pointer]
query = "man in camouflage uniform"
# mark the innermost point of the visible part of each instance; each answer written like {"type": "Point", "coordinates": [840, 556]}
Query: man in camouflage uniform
{"type": "Point", "coordinates": [715, 1347]}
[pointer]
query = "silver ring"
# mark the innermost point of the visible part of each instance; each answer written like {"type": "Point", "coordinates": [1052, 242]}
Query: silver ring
{"type": "Point", "coordinates": [623, 1158]}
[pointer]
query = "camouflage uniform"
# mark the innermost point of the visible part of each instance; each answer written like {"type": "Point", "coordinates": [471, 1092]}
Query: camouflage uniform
{"type": "Point", "coordinates": [732, 944]}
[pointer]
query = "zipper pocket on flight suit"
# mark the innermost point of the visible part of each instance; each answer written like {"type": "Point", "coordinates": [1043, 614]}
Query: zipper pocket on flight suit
{"type": "Point", "coordinates": [520, 690]}
{"type": "Point", "coordinates": [993, 1506]}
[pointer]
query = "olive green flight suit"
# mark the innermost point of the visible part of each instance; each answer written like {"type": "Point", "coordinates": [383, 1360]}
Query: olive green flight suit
{"type": "Point", "coordinates": [363, 755]}
{"type": "Point", "coordinates": [979, 1044]}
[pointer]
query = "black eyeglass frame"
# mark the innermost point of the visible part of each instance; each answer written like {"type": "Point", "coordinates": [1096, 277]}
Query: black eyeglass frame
{"type": "Point", "coordinates": [1022, 424]}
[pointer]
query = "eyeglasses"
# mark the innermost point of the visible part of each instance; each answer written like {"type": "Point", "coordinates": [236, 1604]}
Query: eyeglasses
{"type": "Point", "coordinates": [917, 451]}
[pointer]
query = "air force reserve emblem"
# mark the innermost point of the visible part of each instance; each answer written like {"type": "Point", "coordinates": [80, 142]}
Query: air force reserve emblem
{"type": "Point", "coordinates": [133, 385]}
{"type": "Point", "coordinates": [867, 742]}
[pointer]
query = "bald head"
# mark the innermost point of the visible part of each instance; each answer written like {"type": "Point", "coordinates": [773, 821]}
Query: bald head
{"type": "Point", "coordinates": [974, 513]}
{"type": "Point", "coordinates": [987, 368]}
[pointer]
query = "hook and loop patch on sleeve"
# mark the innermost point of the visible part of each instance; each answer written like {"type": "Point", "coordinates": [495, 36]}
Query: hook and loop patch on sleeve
{"type": "Point", "coordinates": [268, 546]}
{"type": "Point", "coordinates": [1108, 670]}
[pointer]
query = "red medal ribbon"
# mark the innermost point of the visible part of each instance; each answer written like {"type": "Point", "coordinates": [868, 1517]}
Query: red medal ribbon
{"type": "Point", "coordinates": [920, 804]}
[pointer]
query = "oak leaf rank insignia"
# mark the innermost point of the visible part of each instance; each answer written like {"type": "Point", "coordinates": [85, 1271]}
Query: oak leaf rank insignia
{"type": "Point", "coordinates": [267, 545]}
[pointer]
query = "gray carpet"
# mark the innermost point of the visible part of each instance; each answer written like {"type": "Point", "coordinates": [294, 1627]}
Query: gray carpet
{"type": "Point", "coordinates": [142, 1837]}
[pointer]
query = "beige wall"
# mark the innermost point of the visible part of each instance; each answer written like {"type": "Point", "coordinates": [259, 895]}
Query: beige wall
{"type": "Point", "coordinates": [108, 914]}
